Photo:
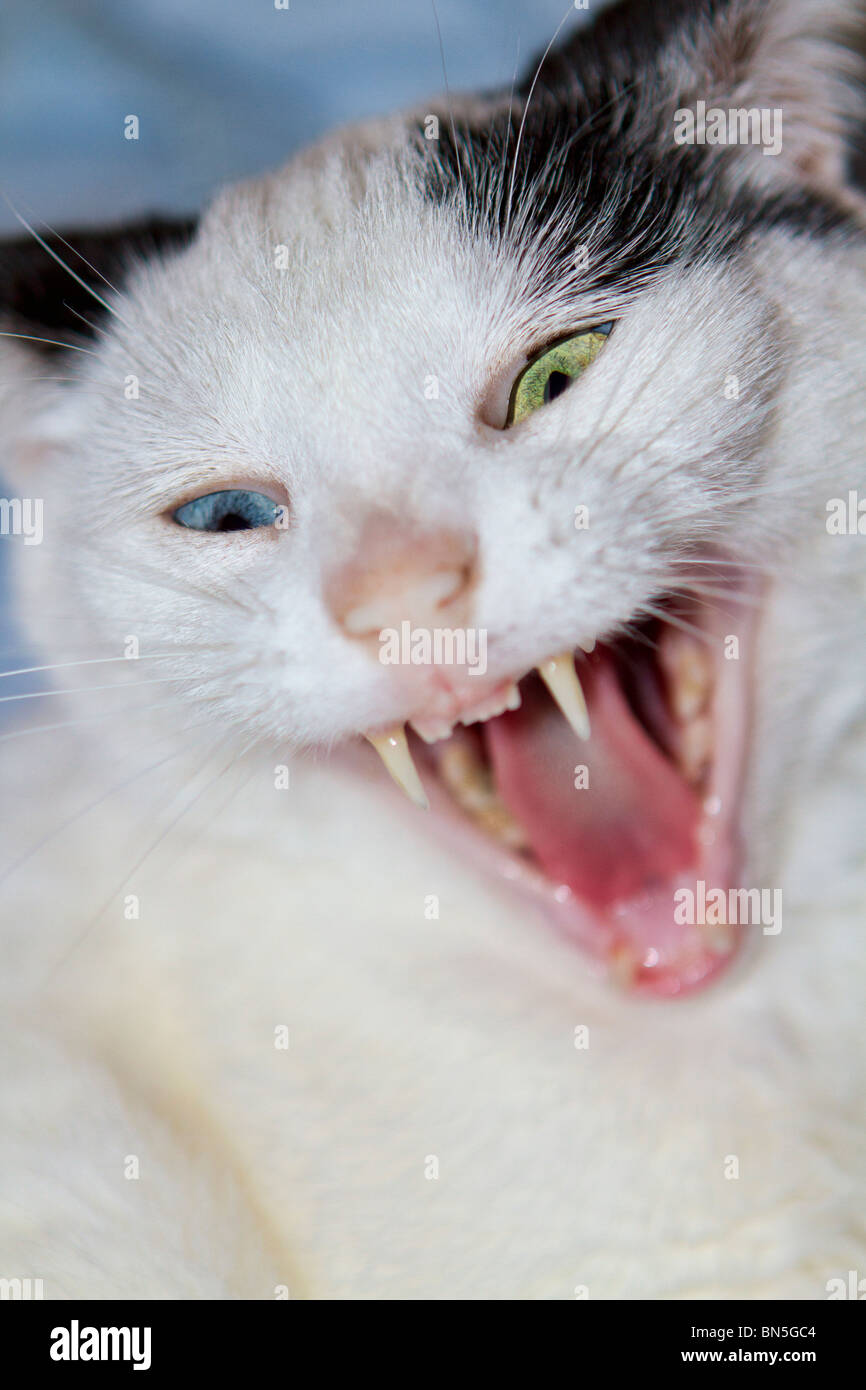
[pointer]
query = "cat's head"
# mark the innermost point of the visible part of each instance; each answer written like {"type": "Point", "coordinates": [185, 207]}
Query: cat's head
{"type": "Point", "coordinates": [458, 395]}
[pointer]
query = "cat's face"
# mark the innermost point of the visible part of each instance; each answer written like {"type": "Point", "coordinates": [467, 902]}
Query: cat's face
{"type": "Point", "coordinates": [553, 396]}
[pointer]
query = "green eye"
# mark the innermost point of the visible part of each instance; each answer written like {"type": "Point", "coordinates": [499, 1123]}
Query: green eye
{"type": "Point", "coordinates": [548, 375]}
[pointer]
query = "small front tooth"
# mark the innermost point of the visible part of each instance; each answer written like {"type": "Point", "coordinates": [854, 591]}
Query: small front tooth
{"type": "Point", "coordinates": [491, 709]}
{"type": "Point", "coordinates": [512, 697]}
{"type": "Point", "coordinates": [562, 681]}
{"type": "Point", "coordinates": [480, 714]}
{"type": "Point", "coordinates": [588, 645]}
{"type": "Point", "coordinates": [432, 730]}
{"type": "Point", "coordinates": [393, 749]}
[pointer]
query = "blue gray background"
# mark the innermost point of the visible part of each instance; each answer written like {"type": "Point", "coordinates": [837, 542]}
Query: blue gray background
{"type": "Point", "coordinates": [222, 88]}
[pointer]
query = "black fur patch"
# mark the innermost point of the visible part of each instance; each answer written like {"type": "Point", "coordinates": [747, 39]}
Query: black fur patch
{"type": "Point", "coordinates": [39, 297]}
{"type": "Point", "coordinates": [589, 156]}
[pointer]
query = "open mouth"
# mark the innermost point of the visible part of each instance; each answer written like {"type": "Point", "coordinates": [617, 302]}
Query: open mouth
{"type": "Point", "coordinates": [607, 829]}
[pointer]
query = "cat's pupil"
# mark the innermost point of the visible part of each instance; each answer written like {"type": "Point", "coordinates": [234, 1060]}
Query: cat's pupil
{"type": "Point", "coordinates": [555, 385]}
{"type": "Point", "coordinates": [232, 521]}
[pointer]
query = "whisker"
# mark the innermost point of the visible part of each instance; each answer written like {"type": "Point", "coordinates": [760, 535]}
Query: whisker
{"type": "Point", "coordinates": [724, 564]}
{"type": "Point", "coordinates": [87, 661]}
{"type": "Point", "coordinates": [723, 597]}
{"type": "Point", "coordinates": [93, 327]}
{"type": "Point", "coordinates": [87, 689]}
{"type": "Point", "coordinates": [60, 261]}
{"type": "Point", "coordinates": [188, 590]}
{"type": "Point", "coordinates": [676, 621]}
{"type": "Point", "coordinates": [215, 812]}
{"type": "Point", "coordinates": [75, 251]}
{"type": "Point", "coordinates": [98, 718]}
{"type": "Point", "coordinates": [559, 26]}
{"type": "Point", "coordinates": [34, 380]}
{"type": "Point", "coordinates": [508, 126]}
{"type": "Point", "coordinates": [457, 155]}
{"type": "Point", "coordinates": [50, 342]}
{"type": "Point", "coordinates": [154, 845]}
{"type": "Point", "coordinates": [98, 801]}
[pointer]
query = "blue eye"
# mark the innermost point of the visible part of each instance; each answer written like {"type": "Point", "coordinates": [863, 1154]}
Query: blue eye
{"type": "Point", "coordinates": [231, 510]}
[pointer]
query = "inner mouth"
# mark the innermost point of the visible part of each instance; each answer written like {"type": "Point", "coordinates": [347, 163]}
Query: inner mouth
{"type": "Point", "coordinates": [609, 830]}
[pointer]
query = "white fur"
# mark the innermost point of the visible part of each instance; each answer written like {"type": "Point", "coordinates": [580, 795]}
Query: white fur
{"type": "Point", "coordinates": [410, 1038]}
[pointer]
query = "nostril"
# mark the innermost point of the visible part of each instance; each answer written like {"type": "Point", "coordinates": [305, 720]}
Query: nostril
{"type": "Point", "coordinates": [415, 599]}
{"type": "Point", "coordinates": [401, 571]}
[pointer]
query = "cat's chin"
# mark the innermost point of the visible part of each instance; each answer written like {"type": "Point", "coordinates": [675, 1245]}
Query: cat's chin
{"type": "Point", "coordinates": [629, 840]}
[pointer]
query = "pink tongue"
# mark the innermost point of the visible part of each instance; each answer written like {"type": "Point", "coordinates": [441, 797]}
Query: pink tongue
{"type": "Point", "coordinates": [631, 829]}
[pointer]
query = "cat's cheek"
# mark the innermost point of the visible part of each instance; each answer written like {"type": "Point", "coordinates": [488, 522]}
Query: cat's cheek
{"type": "Point", "coordinates": [184, 546]}
{"type": "Point", "coordinates": [28, 464]}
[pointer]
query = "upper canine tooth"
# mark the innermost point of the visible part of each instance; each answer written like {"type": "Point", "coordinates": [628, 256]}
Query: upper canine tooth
{"type": "Point", "coordinates": [393, 749]}
{"type": "Point", "coordinates": [562, 681]}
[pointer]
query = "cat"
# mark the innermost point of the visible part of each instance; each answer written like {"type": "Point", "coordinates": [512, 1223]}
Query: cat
{"type": "Point", "coordinates": [533, 365]}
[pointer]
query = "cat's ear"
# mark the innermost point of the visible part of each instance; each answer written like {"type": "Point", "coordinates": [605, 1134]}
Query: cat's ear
{"type": "Point", "coordinates": [54, 296]}
{"type": "Point", "coordinates": [777, 86]}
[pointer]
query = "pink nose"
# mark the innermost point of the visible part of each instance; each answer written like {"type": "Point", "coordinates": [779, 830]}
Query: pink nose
{"type": "Point", "coordinates": [403, 575]}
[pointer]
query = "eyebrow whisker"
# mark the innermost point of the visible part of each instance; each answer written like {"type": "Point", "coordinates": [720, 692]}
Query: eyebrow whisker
{"type": "Point", "coordinates": [60, 261]}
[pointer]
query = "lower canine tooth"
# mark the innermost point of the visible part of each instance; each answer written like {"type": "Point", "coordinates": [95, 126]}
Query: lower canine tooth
{"type": "Point", "coordinates": [393, 749]}
{"type": "Point", "coordinates": [561, 680]}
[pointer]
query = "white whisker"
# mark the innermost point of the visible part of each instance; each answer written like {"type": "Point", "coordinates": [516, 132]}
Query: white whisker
{"type": "Point", "coordinates": [87, 689]}
{"type": "Point", "coordinates": [60, 261]}
{"type": "Point", "coordinates": [152, 846]}
{"type": "Point", "coordinates": [98, 801]}
{"type": "Point", "coordinates": [559, 26]}
{"type": "Point", "coordinates": [88, 661]}
{"type": "Point", "coordinates": [664, 616]}
{"type": "Point", "coordinates": [448, 97]}
{"type": "Point", "coordinates": [50, 342]}
{"type": "Point", "coordinates": [98, 718]}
